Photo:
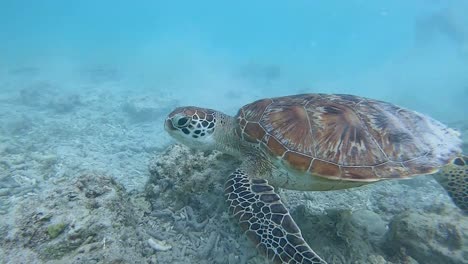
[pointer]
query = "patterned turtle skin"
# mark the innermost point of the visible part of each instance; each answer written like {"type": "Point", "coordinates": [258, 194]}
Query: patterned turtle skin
{"type": "Point", "coordinates": [317, 142]}
{"type": "Point", "coordinates": [347, 137]}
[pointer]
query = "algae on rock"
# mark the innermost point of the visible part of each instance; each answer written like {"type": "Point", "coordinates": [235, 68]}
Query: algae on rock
{"type": "Point", "coordinates": [55, 230]}
{"type": "Point", "coordinates": [60, 226]}
{"type": "Point", "coordinates": [429, 238]}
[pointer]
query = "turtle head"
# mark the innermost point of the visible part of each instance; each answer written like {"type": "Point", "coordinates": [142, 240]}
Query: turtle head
{"type": "Point", "coordinates": [192, 126]}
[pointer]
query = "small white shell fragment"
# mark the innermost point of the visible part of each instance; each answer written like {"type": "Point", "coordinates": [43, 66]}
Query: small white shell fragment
{"type": "Point", "coordinates": [158, 245]}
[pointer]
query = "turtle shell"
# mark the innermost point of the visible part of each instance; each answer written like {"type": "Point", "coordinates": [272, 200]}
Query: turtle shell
{"type": "Point", "coordinates": [347, 137]}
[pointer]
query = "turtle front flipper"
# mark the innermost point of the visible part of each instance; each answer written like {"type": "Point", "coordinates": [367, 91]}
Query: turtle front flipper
{"type": "Point", "coordinates": [266, 221]}
{"type": "Point", "coordinates": [454, 178]}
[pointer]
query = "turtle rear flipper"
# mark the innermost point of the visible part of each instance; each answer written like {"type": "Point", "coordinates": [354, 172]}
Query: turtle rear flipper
{"type": "Point", "coordinates": [454, 178]}
{"type": "Point", "coordinates": [266, 221]}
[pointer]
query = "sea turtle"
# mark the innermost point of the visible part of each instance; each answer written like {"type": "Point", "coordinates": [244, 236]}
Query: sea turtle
{"type": "Point", "coordinates": [317, 142]}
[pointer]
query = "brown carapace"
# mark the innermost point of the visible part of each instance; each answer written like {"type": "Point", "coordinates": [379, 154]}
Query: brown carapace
{"type": "Point", "coordinates": [347, 137]}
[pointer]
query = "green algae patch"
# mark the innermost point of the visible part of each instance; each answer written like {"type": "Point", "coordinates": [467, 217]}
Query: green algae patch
{"type": "Point", "coordinates": [55, 251]}
{"type": "Point", "coordinates": [55, 230]}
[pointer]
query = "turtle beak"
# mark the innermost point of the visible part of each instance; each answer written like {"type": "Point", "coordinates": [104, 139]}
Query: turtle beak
{"type": "Point", "coordinates": [168, 125]}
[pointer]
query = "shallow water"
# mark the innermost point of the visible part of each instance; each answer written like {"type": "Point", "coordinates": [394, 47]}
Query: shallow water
{"type": "Point", "coordinates": [86, 85]}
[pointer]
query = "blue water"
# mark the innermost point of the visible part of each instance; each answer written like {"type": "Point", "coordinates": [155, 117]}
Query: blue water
{"type": "Point", "coordinates": [390, 50]}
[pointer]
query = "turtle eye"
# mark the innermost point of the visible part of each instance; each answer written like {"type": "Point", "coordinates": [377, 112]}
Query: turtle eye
{"type": "Point", "coordinates": [182, 121]}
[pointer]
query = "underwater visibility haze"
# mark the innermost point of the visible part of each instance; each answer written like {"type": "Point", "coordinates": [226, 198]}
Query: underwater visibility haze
{"type": "Point", "coordinates": [90, 171]}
